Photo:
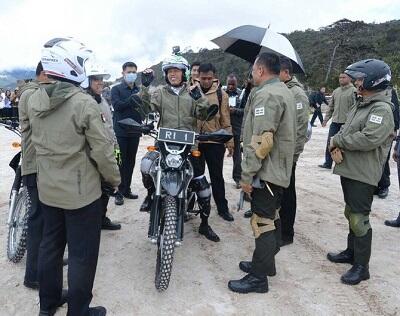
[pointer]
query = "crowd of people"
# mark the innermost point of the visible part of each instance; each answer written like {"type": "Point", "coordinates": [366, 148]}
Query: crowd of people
{"type": "Point", "coordinates": [76, 155]}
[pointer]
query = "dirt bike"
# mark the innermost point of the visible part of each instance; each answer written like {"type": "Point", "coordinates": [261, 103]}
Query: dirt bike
{"type": "Point", "coordinates": [18, 206]}
{"type": "Point", "coordinates": [171, 172]}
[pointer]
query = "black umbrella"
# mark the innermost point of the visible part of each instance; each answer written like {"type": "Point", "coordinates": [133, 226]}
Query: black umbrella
{"type": "Point", "coordinates": [247, 41]}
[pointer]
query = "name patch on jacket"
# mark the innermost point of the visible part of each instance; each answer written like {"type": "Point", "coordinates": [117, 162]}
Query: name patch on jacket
{"type": "Point", "coordinates": [259, 111]}
{"type": "Point", "coordinates": [376, 119]}
{"type": "Point", "coordinates": [299, 105]}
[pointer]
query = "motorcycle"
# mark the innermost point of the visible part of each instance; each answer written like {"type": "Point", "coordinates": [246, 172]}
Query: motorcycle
{"type": "Point", "coordinates": [18, 206]}
{"type": "Point", "coordinates": [173, 198]}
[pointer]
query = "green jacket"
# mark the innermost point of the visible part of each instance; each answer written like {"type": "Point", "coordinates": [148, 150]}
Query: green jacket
{"type": "Point", "coordinates": [302, 114]}
{"type": "Point", "coordinates": [270, 109]}
{"type": "Point", "coordinates": [73, 150]}
{"type": "Point", "coordinates": [365, 139]}
{"type": "Point", "coordinates": [28, 165]}
{"type": "Point", "coordinates": [176, 111]}
{"type": "Point", "coordinates": [343, 98]}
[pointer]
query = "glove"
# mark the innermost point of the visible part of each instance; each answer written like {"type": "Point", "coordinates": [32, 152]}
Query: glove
{"type": "Point", "coordinates": [117, 155]}
{"type": "Point", "coordinates": [147, 128]}
{"type": "Point", "coordinates": [195, 93]}
{"type": "Point", "coordinates": [147, 79]}
{"type": "Point", "coordinates": [336, 155]}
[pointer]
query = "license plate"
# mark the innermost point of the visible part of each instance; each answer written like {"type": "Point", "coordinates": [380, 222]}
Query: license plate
{"type": "Point", "coordinates": [176, 136]}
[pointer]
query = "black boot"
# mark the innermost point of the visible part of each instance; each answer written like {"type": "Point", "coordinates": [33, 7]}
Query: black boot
{"type": "Point", "coordinates": [226, 215]}
{"type": "Point", "coordinates": [51, 312]}
{"type": "Point", "coordinates": [393, 223]}
{"type": "Point", "coordinates": [249, 284]}
{"type": "Point", "coordinates": [119, 198]}
{"type": "Point", "coordinates": [97, 311]}
{"type": "Point", "coordinates": [107, 224]}
{"type": "Point", "coordinates": [146, 205]}
{"type": "Point", "coordinates": [245, 266]}
{"type": "Point", "coordinates": [207, 231]}
{"type": "Point", "coordinates": [347, 255]}
{"type": "Point", "coordinates": [356, 274]}
{"type": "Point", "coordinates": [248, 213]}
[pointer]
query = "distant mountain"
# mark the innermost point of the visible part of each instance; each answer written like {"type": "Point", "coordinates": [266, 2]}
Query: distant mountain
{"type": "Point", "coordinates": [8, 79]}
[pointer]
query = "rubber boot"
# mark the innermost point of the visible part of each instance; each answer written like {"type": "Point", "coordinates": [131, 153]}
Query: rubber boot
{"type": "Point", "coordinates": [362, 253]}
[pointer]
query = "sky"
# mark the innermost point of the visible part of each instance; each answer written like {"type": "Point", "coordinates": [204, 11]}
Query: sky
{"type": "Point", "coordinates": [145, 31]}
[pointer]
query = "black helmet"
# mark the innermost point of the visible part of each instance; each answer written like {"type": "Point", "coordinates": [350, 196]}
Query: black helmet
{"type": "Point", "coordinates": [375, 73]}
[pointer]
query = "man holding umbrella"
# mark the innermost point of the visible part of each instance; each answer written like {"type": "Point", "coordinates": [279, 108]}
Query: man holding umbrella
{"type": "Point", "coordinates": [269, 144]}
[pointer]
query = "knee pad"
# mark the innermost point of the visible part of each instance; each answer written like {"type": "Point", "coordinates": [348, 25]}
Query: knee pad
{"type": "Point", "coordinates": [261, 225]}
{"type": "Point", "coordinates": [359, 224]}
{"type": "Point", "coordinates": [147, 161]}
{"type": "Point", "coordinates": [201, 187]}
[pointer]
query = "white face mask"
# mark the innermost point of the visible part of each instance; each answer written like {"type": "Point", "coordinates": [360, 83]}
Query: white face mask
{"type": "Point", "coordinates": [130, 77]}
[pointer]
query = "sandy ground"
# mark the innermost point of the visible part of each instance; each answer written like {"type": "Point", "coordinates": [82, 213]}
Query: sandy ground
{"type": "Point", "coordinates": [306, 283]}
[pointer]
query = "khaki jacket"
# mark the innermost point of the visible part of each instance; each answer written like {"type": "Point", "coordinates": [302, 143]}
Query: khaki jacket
{"type": "Point", "coordinates": [73, 150]}
{"type": "Point", "coordinates": [176, 111]}
{"type": "Point", "coordinates": [28, 165]}
{"type": "Point", "coordinates": [365, 139]}
{"type": "Point", "coordinates": [302, 114]}
{"type": "Point", "coordinates": [270, 109]}
{"type": "Point", "coordinates": [222, 120]}
{"type": "Point", "coordinates": [343, 98]}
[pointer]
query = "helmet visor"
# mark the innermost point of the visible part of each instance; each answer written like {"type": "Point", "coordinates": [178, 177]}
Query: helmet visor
{"type": "Point", "coordinates": [354, 74]}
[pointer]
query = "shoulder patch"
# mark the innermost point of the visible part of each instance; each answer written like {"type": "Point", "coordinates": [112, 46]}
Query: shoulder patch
{"type": "Point", "coordinates": [259, 111]}
{"type": "Point", "coordinates": [299, 105]}
{"type": "Point", "coordinates": [376, 119]}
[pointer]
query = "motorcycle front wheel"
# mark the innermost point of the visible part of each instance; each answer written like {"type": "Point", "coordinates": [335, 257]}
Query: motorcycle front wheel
{"type": "Point", "coordinates": [18, 228]}
{"type": "Point", "coordinates": [166, 243]}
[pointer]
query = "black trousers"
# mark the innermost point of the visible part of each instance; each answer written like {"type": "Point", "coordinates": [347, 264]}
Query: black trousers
{"type": "Point", "coordinates": [213, 155]}
{"type": "Point", "coordinates": [265, 205]}
{"type": "Point", "coordinates": [384, 182]}
{"type": "Point", "coordinates": [288, 207]}
{"type": "Point", "coordinates": [80, 229]}
{"type": "Point", "coordinates": [333, 130]}
{"type": "Point", "coordinates": [128, 147]}
{"type": "Point", "coordinates": [35, 229]}
{"type": "Point", "coordinates": [237, 159]}
{"type": "Point", "coordinates": [317, 112]}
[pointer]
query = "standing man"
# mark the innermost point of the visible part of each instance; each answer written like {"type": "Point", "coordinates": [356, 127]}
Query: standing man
{"type": "Point", "coordinates": [236, 112]}
{"type": "Point", "coordinates": [73, 152]}
{"type": "Point", "coordinates": [359, 151]}
{"type": "Point", "coordinates": [316, 100]}
{"type": "Point", "coordinates": [194, 72]}
{"type": "Point", "coordinates": [94, 85]}
{"type": "Point", "coordinates": [126, 103]}
{"type": "Point", "coordinates": [289, 200]}
{"type": "Point", "coordinates": [343, 98]}
{"type": "Point", "coordinates": [213, 153]}
{"type": "Point", "coordinates": [269, 142]}
{"type": "Point", "coordinates": [29, 171]}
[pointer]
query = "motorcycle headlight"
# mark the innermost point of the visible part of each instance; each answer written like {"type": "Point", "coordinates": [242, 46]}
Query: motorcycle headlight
{"type": "Point", "coordinates": [173, 161]}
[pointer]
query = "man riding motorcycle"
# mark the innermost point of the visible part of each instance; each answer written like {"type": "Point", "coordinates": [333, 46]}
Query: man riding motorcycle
{"type": "Point", "coordinates": [179, 107]}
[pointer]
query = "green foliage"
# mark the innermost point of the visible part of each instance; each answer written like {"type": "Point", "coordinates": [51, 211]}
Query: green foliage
{"type": "Point", "coordinates": [356, 40]}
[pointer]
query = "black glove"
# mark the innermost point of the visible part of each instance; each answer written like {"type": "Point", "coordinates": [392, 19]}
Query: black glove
{"type": "Point", "coordinates": [107, 188]}
{"type": "Point", "coordinates": [195, 93]}
{"type": "Point", "coordinates": [147, 79]}
{"type": "Point", "coordinates": [147, 128]}
{"type": "Point", "coordinates": [135, 100]}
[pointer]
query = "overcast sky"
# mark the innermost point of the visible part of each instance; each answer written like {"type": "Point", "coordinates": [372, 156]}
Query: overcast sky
{"type": "Point", "coordinates": [145, 30]}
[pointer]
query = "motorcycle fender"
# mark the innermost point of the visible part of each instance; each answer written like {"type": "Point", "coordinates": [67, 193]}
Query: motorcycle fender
{"type": "Point", "coordinates": [172, 183]}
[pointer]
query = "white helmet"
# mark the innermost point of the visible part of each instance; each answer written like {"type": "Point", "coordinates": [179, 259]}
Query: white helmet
{"type": "Point", "coordinates": [94, 68]}
{"type": "Point", "coordinates": [65, 58]}
{"type": "Point", "coordinates": [175, 61]}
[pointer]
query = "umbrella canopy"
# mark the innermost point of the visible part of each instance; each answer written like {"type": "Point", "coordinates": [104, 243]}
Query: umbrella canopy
{"type": "Point", "coordinates": [247, 41]}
